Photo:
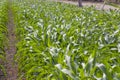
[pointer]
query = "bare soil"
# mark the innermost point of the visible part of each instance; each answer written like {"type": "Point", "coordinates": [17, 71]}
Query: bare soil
{"type": "Point", "coordinates": [98, 5]}
{"type": "Point", "coordinates": [11, 66]}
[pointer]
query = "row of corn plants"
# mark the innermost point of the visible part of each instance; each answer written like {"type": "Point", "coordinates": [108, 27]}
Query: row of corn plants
{"type": "Point", "coordinates": [58, 41]}
{"type": "Point", "coordinates": [3, 33]}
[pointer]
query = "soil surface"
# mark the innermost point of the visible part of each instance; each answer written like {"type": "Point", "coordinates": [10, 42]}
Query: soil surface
{"type": "Point", "coordinates": [98, 5]}
{"type": "Point", "coordinates": [11, 66]}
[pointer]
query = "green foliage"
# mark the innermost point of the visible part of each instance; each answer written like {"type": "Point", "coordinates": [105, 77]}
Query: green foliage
{"type": "Point", "coordinates": [3, 32]}
{"type": "Point", "coordinates": [62, 42]}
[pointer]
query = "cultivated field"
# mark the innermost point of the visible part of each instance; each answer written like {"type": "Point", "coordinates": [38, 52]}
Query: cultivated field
{"type": "Point", "coordinates": [58, 41]}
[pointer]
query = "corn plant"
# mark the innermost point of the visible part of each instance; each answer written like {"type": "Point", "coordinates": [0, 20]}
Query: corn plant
{"type": "Point", "coordinates": [58, 41]}
{"type": "Point", "coordinates": [3, 32]}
